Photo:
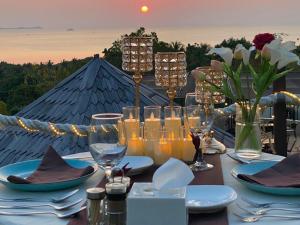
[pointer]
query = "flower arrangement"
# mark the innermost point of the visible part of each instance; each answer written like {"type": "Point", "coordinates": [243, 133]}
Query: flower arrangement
{"type": "Point", "coordinates": [271, 58]}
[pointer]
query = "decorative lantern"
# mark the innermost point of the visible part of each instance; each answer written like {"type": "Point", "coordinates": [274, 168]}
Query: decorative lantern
{"type": "Point", "coordinates": [170, 72]}
{"type": "Point", "coordinates": [137, 58]}
{"type": "Point", "coordinates": [203, 91]}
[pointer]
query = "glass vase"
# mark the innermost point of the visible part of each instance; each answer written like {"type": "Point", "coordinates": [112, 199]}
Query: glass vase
{"type": "Point", "coordinates": [247, 135]}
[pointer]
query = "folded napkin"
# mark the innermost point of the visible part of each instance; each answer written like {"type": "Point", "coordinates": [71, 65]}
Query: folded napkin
{"type": "Point", "coordinates": [172, 174]}
{"type": "Point", "coordinates": [283, 174]}
{"type": "Point", "coordinates": [52, 169]}
{"type": "Point", "coordinates": [213, 146]}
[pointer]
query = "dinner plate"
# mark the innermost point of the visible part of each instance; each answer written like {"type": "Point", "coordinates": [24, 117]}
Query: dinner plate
{"type": "Point", "coordinates": [138, 164]}
{"type": "Point", "coordinates": [253, 168]}
{"type": "Point", "coordinates": [24, 169]}
{"type": "Point", "coordinates": [209, 198]}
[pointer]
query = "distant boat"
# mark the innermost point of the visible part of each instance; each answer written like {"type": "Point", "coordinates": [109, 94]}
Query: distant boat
{"type": "Point", "coordinates": [70, 29]}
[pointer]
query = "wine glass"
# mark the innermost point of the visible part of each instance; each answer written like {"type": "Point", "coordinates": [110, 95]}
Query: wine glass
{"type": "Point", "coordinates": [107, 140]}
{"type": "Point", "coordinates": [190, 99]}
{"type": "Point", "coordinates": [200, 119]}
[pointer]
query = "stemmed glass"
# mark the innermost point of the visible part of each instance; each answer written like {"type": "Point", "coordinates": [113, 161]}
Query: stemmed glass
{"type": "Point", "coordinates": [190, 99]}
{"type": "Point", "coordinates": [200, 119]}
{"type": "Point", "coordinates": [107, 140]}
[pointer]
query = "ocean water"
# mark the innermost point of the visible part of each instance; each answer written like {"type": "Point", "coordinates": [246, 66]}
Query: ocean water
{"type": "Point", "coordinates": [41, 45]}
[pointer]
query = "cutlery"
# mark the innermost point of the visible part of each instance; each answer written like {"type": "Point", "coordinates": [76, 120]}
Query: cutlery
{"type": "Point", "coordinates": [263, 211]}
{"type": "Point", "coordinates": [250, 219]}
{"type": "Point", "coordinates": [267, 204]}
{"type": "Point", "coordinates": [57, 199]}
{"type": "Point", "coordinates": [58, 214]}
{"type": "Point", "coordinates": [56, 207]}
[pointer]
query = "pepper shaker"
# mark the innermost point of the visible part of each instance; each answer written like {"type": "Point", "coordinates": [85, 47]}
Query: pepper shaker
{"type": "Point", "coordinates": [115, 204]}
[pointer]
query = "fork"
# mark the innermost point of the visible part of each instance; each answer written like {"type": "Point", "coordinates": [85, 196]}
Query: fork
{"type": "Point", "coordinates": [57, 199]}
{"type": "Point", "coordinates": [265, 210]}
{"type": "Point", "coordinates": [267, 204]}
{"type": "Point", "coordinates": [58, 214]}
{"type": "Point", "coordinates": [56, 207]}
{"type": "Point", "coordinates": [251, 219]}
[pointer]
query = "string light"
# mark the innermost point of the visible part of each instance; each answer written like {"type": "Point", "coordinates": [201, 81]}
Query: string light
{"type": "Point", "coordinates": [23, 125]}
{"type": "Point", "coordinates": [76, 131]}
{"type": "Point", "coordinates": [104, 129]}
{"type": "Point", "coordinates": [55, 130]}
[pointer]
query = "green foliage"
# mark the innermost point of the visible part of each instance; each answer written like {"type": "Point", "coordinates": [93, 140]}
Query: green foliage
{"type": "Point", "coordinates": [3, 108]}
{"type": "Point", "coordinates": [232, 42]}
{"type": "Point", "coordinates": [22, 84]}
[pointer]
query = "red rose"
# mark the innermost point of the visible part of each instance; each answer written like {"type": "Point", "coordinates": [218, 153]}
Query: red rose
{"type": "Point", "coordinates": [261, 39]}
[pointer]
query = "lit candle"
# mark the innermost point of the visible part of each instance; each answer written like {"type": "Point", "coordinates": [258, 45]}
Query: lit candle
{"type": "Point", "coordinates": [132, 127]}
{"type": "Point", "coordinates": [177, 147]}
{"type": "Point", "coordinates": [162, 152]}
{"type": "Point", "coordinates": [172, 125]}
{"type": "Point", "coordinates": [188, 150]}
{"type": "Point", "coordinates": [152, 127]}
{"type": "Point", "coordinates": [135, 146]}
{"type": "Point", "coordinates": [149, 147]}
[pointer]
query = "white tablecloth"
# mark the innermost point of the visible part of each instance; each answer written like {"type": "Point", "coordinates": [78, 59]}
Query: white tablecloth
{"type": "Point", "coordinates": [227, 165]}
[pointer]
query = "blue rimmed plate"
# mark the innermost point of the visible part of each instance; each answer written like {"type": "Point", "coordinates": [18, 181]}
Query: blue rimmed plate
{"type": "Point", "coordinates": [24, 169]}
{"type": "Point", "coordinates": [253, 168]}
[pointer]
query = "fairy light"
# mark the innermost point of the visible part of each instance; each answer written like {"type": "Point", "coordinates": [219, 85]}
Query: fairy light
{"type": "Point", "coordinates": [23, 125]}
{"type": "Point", "coordinates": [104, 129]}
{"type": "Point", "coordinates": [55, 130]}
{"type": "Point", "coordinates": [76, 131]}
{"type": "Point", "coordinates": [115, 126]}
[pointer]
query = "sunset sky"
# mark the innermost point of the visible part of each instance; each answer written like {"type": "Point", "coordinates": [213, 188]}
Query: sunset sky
{"type": "Point", "coordinates": [126, 13]}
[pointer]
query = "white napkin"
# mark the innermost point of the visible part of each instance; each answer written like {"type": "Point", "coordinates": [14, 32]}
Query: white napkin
{"type": "Point", "coordinates": [213, 146]}
{"type": "Point", "coordinates": [172, 174]}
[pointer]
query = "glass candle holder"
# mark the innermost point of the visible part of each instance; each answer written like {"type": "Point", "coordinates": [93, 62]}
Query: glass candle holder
{"type": "Point", "coordinates": [135, 144]}
{"type": "Point", "coordinates": [131, 115]}
{"type": "Point", "coordinates": [173, 121]}
{"type": "Point", "coordinates": [163, 149]}
{"type": "Point", "coordinates": [152, 116]}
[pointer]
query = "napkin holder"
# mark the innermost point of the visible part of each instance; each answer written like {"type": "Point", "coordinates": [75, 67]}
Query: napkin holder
{"type": "Point", "coordinates": [147, 206]}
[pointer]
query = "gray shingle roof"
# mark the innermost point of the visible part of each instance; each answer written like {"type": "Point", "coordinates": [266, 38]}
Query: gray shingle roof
{"type": "Point", "coordinates": [95, 88]}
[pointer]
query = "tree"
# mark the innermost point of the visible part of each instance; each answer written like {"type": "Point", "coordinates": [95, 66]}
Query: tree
{"type": "Point", "coordinates": [232, 42]}
{"type": "Point", "coordinates": [3, 108]}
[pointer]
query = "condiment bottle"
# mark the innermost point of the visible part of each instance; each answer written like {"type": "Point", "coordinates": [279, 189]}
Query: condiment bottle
{"type": "Point", "coordinates": [115, 204]}
{"type": "Point", "coordinates": [95, 197]}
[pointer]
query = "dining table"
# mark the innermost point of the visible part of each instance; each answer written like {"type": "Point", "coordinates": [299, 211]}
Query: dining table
{"type": "Point", "coordinates": [227, 165]}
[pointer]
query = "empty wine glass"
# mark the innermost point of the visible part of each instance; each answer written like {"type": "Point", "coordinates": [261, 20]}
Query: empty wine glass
{"type": "Point", "coordinates": [107, 140]}
{"type": "Point", "coordinates": [190, 99]}
{"type": "Point", "coordinates": [200, 119]}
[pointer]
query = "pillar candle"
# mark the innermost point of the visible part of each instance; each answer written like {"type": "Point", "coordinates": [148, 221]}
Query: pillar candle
{"type": "Point", "coordinates": [132, 127]}
{"type": "Point", "coordinates": [177, 147]}
{"type": "Point", "coordinates": [152, 127]}
{"type": "Point", "coordinates": [162, 152]}
{"type": "Point", "coordinates": [135, 146]}
{"type": "Point", "coordinates": [172, 125]}
{"type": "Point", "coordinates": [149, 147]}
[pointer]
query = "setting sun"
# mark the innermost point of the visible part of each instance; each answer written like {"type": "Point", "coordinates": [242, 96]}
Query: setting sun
{"type": "Point", "coordinates": [144, 9]}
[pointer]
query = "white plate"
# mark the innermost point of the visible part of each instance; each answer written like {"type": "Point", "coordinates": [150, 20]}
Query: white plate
{"type": "Point", "coordinates": [209, 198]}
{"type": "Point", "coordinates": [137, 163]}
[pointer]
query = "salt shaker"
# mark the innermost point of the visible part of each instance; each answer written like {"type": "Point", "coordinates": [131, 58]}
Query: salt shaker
{"type": "Point", "coordinates": [115, 204]}
{"type": "Point", "coordinates": [95, 197]}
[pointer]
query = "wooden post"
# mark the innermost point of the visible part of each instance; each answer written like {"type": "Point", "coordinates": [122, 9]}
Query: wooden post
{"type": "Point", "coordinates": [279, 108]}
